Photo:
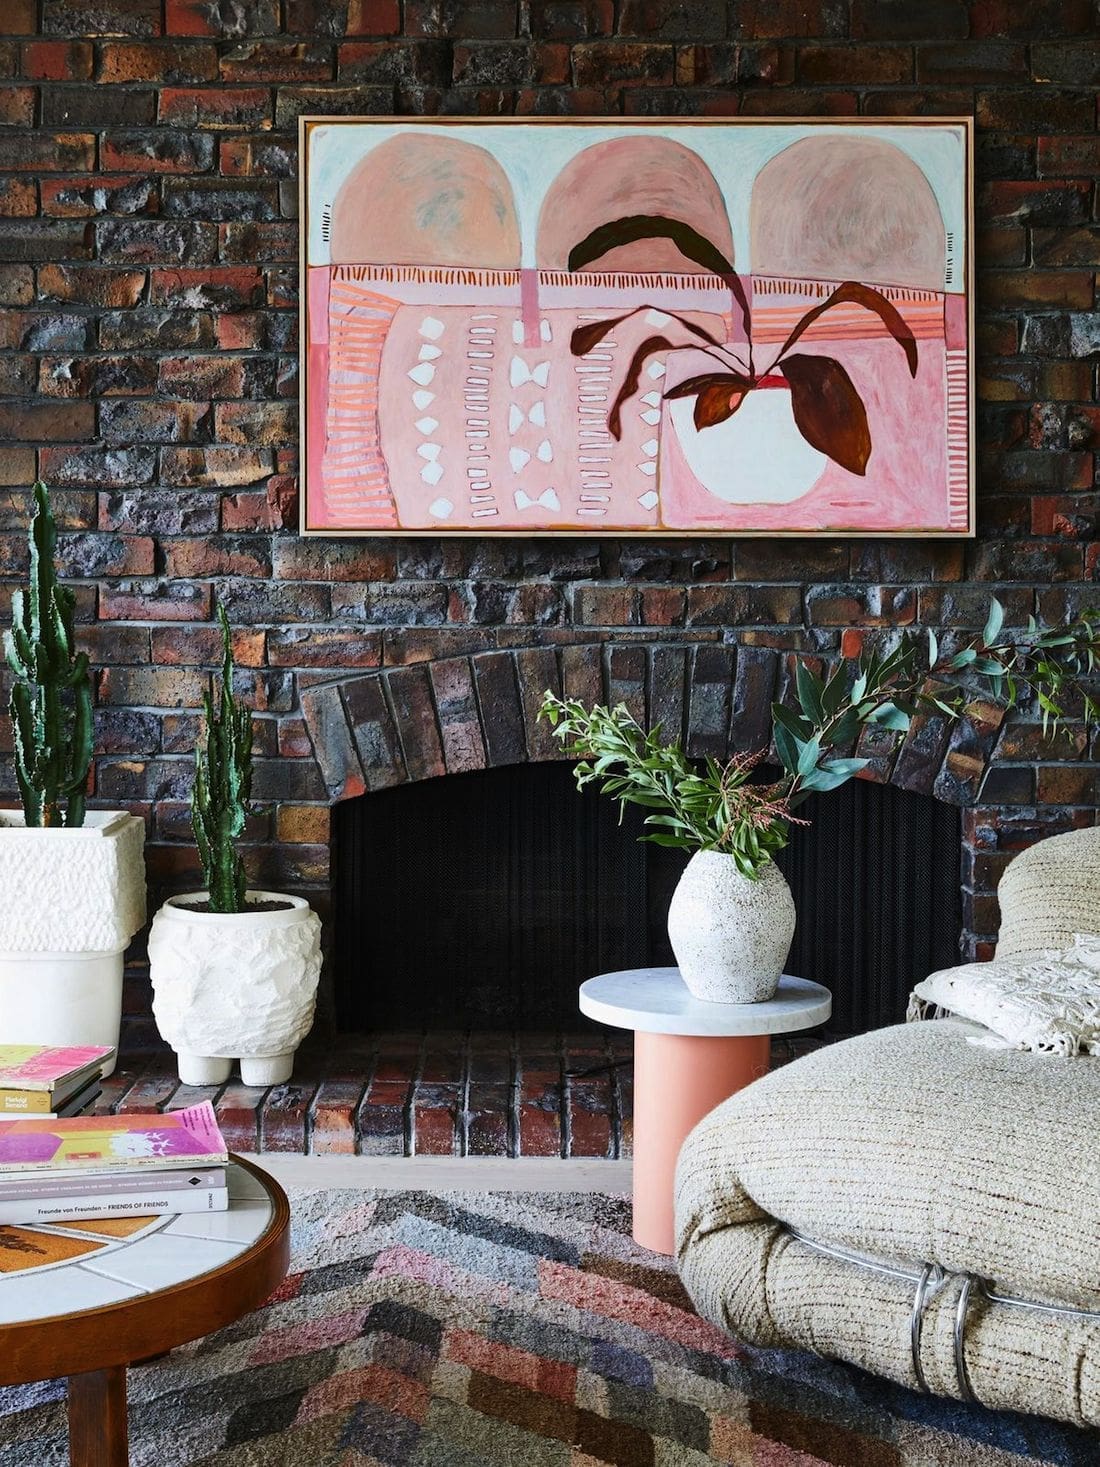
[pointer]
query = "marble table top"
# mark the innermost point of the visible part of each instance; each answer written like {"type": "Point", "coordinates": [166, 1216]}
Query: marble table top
{"type": "Point", "coordinates": [655, 1001]}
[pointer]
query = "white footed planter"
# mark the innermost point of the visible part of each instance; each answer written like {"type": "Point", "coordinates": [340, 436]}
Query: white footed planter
{"type": "Point", "coordinates": [70, 901]}
{"type": "Point", "coordinates": [240, 985]}
{"type": "Point", "coordinates": [731, 936]}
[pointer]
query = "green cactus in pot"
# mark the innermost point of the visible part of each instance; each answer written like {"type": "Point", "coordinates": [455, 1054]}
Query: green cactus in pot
{"type": "Point", "coordinates": [223, 786]}
{"type": "Point", "coordinates": [51, 697]}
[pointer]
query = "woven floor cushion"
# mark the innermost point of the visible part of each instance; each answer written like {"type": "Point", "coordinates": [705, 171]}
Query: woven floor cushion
{"type": "Point", "coordinates": [903, 1148]}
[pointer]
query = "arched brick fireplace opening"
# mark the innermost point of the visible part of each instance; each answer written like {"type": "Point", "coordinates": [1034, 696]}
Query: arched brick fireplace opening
{"type": "Point", "coordinates": [475, 714]}
{"type": "Point", "coordinates": [455, 714]}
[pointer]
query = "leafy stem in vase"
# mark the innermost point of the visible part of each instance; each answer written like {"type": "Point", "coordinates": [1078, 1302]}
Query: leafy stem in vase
{"type": "Point", "coordinates": [718, 806]}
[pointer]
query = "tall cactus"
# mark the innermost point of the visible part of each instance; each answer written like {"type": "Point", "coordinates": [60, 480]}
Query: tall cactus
{"type": "Point", "coordinates": [51, 698]}
{"type": "Point", "coordinates": [223, 784]}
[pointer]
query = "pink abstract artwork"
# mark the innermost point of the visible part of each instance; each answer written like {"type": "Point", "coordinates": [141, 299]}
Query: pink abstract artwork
{"type": "Point", "coordinates": [679, 328]}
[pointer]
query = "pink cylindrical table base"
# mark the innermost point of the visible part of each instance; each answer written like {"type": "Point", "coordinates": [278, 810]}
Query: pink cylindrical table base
{"type": "Point", "coordinates": [678, 1079]}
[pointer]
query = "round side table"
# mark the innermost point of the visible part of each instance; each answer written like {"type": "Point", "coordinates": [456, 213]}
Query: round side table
{"type": "Point", "coordinates": [87, 1299]}
{"type": "Point", "coordinates": [689, 1056]}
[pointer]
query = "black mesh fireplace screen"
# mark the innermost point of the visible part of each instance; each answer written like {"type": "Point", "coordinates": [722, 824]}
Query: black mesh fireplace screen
{"type": "Point", "coordinates": [483, 900]}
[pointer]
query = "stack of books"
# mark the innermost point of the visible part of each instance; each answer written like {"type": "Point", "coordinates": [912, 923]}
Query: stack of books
{"type": "Point", "coordinates": [39, 1080]}
{"type": "Point", "coordinates": [112, 1166]}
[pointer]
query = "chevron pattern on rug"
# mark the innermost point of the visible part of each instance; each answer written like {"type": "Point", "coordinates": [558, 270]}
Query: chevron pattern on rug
{"type": "Point", "coordinates": [510, 1330]}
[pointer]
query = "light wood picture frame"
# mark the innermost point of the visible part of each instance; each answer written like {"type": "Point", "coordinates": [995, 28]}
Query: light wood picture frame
{"type": "Point", "coordinates": [592, 326]}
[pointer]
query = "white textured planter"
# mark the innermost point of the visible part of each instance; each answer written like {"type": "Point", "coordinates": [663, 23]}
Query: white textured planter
{"type": "Point", "coordinates": [61, 998]}
{"type": "Point", "coordinates": [239, 985]}
{"type": "Point", "coordinates": [70, 901]}
{"type": "Point", "coordinates": [731, 936]}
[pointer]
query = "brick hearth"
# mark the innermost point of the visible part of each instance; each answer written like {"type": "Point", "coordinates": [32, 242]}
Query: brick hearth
{"type": "Point", "coordinates": [488, 1094]}
{"type": "Point", "coordinates": [408, 1094]}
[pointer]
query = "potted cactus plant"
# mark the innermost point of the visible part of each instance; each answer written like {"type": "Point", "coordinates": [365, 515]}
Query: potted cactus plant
{"type": "Point", "coordinates": [72, 882]}
{"type": "Point", "coordinates": [234, 971]}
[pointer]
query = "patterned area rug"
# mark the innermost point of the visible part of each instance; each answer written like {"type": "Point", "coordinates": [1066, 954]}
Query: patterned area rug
{"type": "Point", "coordinates": [470, 1330]}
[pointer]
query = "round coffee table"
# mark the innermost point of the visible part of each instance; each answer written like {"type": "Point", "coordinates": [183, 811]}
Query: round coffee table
{"type": "Point", "coordinates": [97, 1296]}
{"type": "Point", "coordinates": [689, 1056]}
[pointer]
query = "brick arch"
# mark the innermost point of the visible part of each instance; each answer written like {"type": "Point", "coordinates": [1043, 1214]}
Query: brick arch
{"type": "Point", "coordinates": [450, 715]}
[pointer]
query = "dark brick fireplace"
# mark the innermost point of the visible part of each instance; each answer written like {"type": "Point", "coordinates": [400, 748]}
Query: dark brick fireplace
{"type": "Point", "coordinates": [148, 372]}
{"type": "Point", "coordinates": [482, 901]}
{"type": "Point", "coordinates": [377, 730]}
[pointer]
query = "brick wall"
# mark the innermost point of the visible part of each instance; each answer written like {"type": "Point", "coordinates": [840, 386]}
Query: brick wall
{"type": "Point", "coordinates": [148, 371]}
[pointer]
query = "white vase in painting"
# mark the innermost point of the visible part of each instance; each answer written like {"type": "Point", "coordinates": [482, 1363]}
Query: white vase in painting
{"type": "Point", "coordinates": [757, 456]}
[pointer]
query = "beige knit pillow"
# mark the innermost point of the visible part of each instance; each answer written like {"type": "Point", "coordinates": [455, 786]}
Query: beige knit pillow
{"type": "Point", "coordinates": [1050, 893]}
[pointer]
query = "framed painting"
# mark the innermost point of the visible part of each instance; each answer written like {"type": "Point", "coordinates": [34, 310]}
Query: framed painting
{"type": "Point", "coordinates": [593, 327]}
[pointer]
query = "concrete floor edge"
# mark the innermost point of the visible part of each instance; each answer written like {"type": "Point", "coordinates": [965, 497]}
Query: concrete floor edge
{"type": "Point", "coordinates": [446, 1173]}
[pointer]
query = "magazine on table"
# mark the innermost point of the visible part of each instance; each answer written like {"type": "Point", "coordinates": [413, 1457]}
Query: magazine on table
{"type": "Point", "coordinates": [112, 1143]}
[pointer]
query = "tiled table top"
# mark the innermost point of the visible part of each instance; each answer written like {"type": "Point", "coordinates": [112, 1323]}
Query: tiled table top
{"type": "Point", "coordinates": [59, 1268]}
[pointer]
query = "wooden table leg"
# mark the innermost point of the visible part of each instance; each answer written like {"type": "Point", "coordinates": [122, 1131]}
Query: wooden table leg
{"type": "Point", "coordinates": [677, 1080]}
{"type": "Point", "coordinates": [97, 1418]}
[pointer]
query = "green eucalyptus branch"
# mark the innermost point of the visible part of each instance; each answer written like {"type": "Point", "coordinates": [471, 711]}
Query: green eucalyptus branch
{"type": "Point", "coordinates": [1049, 664]}
{"type": "Point", "coordinates": [719, 808]}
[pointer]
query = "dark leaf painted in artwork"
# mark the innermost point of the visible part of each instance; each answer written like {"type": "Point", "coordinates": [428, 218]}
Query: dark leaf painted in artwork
{"type": "Point", "coordinates": [734, 381]}
{"type": "Point", "coordinates": [615, 232]}
{"type": "Point", "coordinates": [828, 411]}
{"type": "Point", "coordinates": [587, 338]}
{"type": "Point", "coordinates": [871, 300]}
{"type": "Point", "coordinates": [630, 381]}
{"type": "Point", "coordinates": [714, 405]}
{"type": "Point", "coordinates": [691, 244]}
{"type": "Point", "coordinates": [717, 395]}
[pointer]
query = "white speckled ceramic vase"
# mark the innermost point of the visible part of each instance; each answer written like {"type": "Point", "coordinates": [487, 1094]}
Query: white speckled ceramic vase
{"type": "Point", "coordinates": [235, 985]}
{"type": "Point", "coordinates": [731, 936]}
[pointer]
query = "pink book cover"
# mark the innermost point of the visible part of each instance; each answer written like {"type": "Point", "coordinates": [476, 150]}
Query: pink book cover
{"type": "Point", "coordinates": [40, 1067]}
{"type": "Point", "coordinates": [113, 1143]}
